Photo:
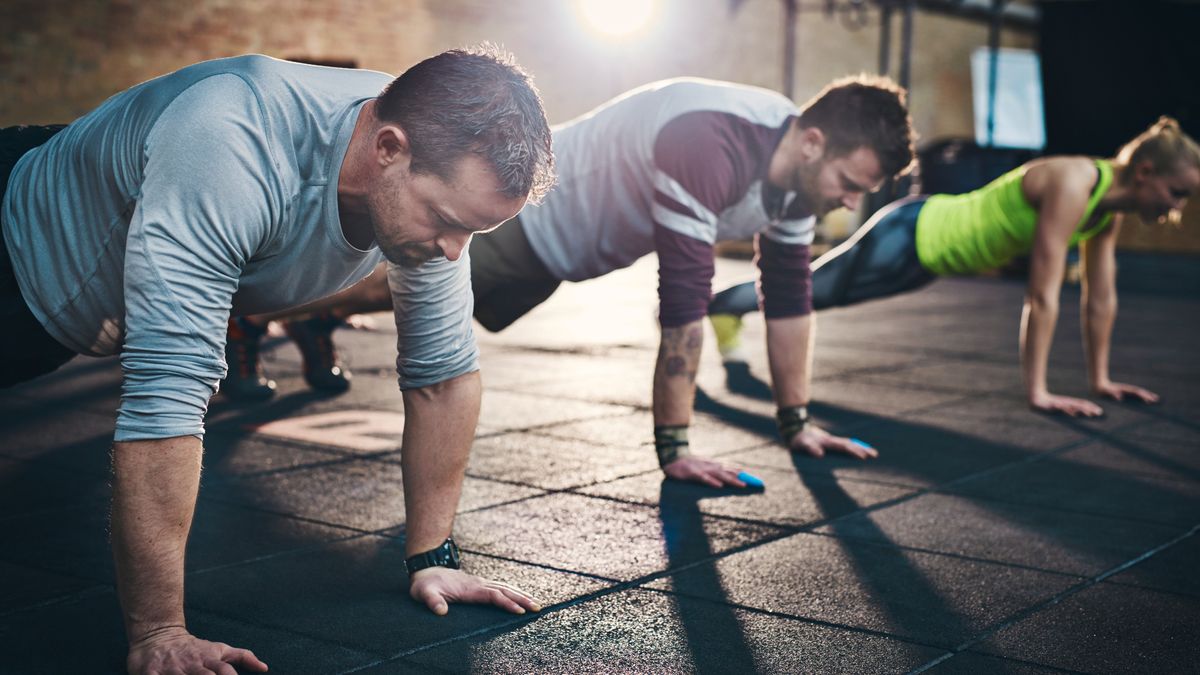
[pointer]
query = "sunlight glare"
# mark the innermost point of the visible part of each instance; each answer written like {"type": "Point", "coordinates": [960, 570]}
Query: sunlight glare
{"type": "Point", "coordinates": [617, 18]}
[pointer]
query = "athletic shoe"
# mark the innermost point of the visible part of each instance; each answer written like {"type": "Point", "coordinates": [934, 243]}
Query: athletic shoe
{"type": "Point", "coordinates": [245, 380]}
{"type": "Point", "coordinates": [322, 369]}
{"type": "Point", "coordinates": [728, 328]}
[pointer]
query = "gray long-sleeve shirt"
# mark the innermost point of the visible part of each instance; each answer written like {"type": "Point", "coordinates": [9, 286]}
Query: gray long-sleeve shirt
{"type": "Point", "coordinates": [143, 224]}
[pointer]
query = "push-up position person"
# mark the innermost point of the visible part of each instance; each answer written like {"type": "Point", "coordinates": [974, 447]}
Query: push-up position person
{"type": "Point", "coordinates": [1041, 208]}
{"type": "Point", "coordinates": [249, 185]}
{"type": "Point", "coordinates": [674, 167]}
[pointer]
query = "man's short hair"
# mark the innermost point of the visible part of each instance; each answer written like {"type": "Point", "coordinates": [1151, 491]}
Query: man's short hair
{"type": "Point", "coordinates": [864, 111]}
{"type": "Point", "coordinates": [474, 100]}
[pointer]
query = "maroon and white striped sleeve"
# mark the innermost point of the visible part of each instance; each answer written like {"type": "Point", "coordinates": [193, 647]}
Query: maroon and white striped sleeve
{"type": "Point", "coordinates": [705, 161]}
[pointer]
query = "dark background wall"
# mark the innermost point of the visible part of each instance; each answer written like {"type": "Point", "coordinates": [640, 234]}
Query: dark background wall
{"type": "Point", "coordinates": [1110, 68]}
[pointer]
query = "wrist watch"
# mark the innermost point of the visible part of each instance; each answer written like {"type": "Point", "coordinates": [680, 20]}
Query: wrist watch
{"type": "Point", "coordinates": [446, 555]}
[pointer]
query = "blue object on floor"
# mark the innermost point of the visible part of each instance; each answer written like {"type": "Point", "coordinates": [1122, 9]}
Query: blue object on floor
{"type": "Point", "coordinates": [751, 480]}
{"type": "Point", "coordinates": [861, 444]}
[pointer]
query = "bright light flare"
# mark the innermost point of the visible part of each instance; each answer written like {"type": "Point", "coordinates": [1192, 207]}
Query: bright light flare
{"type": "Point", "coordinates": [617, 18]}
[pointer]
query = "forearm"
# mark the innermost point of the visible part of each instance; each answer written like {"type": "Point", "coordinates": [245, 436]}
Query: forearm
{"type": "Point", "coordinates": [675, 373]}
{"type": "Point", "coordinates": [1098, 317]}
{"type": "Point", "coordinates": [154, 496]}
{"type": "Point", "coordinates": [790, 353]}
{"type": "Point", "coordinates": [438, 430]}
{"type": "Point", "coordinates": [1038, 320]}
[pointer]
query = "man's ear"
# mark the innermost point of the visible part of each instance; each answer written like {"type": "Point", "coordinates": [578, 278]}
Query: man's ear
{"type": "Point", "coordinates": [812, 144]}
{"type": "Point", "coordinates": [392, 146]}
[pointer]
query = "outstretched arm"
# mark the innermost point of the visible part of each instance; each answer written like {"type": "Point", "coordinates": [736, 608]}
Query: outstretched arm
{"type": "Point", "coordinates": [154, 495]}
{"type": "Point", "coordinates": [1098, 312]}
{"type": "Point", "coordinates": [790, 353]}
{"type": "Point", "coordinates": [1064, 196]}
{"type": "Point", "coordinates": [439, 426]}
{"type": "Point", "coordinates": [674, 395]}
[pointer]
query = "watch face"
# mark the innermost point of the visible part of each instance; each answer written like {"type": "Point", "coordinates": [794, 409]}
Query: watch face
{"type": "Point", "coordinates": [454, 554]}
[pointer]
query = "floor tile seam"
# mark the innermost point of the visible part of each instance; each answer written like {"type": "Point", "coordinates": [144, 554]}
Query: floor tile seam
{"type": "Point", "coordinates": [599, 351]}
{"type": "Point", "coordinates": [921, 360]}
{"type": "Point", "coordinates": [569, 489]}
{"type": "Point", "coordinates": [573, 399]}
{"type": "Point", "coordinates": [750, 609]}
{"type": "Point", "coordinates": [1035, 456]}
{"type": "Point", "coordinates": [938, 354]}
{"type": "Point", "coordinates": [278, 628]}
{"type": "Point", "coordinates": [291, 516]}
{"type": "Point", "coordinates": [1078, 512]}
{"type": "Point", "coordinates": [1182, 480]}
{"type": "Point", "coordinates": [487, 507]}
{"type": "Point", "coordinates": [1065, 594]}
{"type": "Point", "coordinates": [739, 520]}
{"type": "Point", "coordinates": [424, 668]}
{"type": "Point", "coordinates": [832, 475]}
{"type": "Point", "coordinates": [573, 602]}
{"type": "Point", "coordinates": [311, 446]}
{"type": "Point", "coordinates": [573, 420]}
{"type": "Point", "coordinates": [1024, 506]}
{"type": "Point", "coordinates": [307, 548]}
{"type": "Point", "coordinates": [94, 590]}
{"type": "Point", "coordinates": [46, 463]}
{"type": "Point", "coordinates": [922, 387]}
{"type": "Point", "coordinates": [541, 433]}
{"type": "Point", "coordinates": [49, 510]}
{"type": "Point", "coordinates": [949, 655]}
{"type": "Point", "coordinates": [1163, 416]}
{"type": "Point", "coordinates": [334, 460]}
{"type": "Point", "coordinates": [544, 566]}
{"type": "Point", "coordinates": [933, 407]}
{"type": "Point", "coordinates": [1183, 595]}
{"type": "Point", "coordinates": [950, 554]}
{"type": "Point", "coordinates": [520, 619]}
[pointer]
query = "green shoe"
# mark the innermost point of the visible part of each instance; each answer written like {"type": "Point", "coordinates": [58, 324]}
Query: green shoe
{"type": "Point", "coordinates": [728, 328]}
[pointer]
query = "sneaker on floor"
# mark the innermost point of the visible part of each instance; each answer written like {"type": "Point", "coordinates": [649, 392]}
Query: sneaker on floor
{"type": "Point", "coordinates": [728, 328]}
{"type": "Point", "coordinates": [314, 337]}
{"type": "Point", "coordinates": [245, 380]}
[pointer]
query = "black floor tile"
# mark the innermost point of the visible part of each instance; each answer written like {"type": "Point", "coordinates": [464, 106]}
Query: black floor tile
{"type": "Point", "coordinates": [933, 599]}
{"type": "Point", "coordinates": [640, 631]}
{"type": "Point", "coordinates": [601, 537]}
{"type": "Point", "coordinates": [1108, 628]}
{"type": "Point", "coordinates": [1047, 539]}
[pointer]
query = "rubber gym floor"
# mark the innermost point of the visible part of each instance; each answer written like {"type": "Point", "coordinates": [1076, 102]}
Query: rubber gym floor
{"type": "Point", "coordinates": [985, 539]}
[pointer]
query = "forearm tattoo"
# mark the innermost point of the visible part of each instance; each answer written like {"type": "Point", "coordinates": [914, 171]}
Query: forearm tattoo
{"type": "Point", "coordinates": [679, 351]}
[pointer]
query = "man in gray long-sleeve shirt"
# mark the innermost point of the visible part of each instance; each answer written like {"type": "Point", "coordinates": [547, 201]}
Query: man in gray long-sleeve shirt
{"type": "Point", "coordinates": [251, 185]}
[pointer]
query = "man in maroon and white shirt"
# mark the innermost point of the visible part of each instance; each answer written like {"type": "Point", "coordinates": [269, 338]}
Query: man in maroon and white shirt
{"type": "Point", "coordinates": [674, 167]}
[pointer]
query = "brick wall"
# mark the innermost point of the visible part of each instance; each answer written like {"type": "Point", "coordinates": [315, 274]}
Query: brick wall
{"type": "Point", "coordinates": [61, 58]}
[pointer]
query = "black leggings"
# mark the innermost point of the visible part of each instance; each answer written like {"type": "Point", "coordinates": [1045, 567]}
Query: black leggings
{"type": "Point", "coordinates": [878, 261]}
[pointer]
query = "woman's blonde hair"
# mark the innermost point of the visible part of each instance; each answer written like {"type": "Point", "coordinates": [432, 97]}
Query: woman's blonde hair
{"type": "Point", "coordinates": [1164, 145]}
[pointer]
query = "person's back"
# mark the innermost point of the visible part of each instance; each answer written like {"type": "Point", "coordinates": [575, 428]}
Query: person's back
{"type": "Point", "coordinates": [254, 142]}
{"type": "Point", "coordinates": [986, 228]}
{"type": "Point", "coordinates": [601, 215]}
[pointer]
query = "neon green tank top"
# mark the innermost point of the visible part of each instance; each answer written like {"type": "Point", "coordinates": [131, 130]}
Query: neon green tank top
{"type": "Point", "coordinates": [982, 230]}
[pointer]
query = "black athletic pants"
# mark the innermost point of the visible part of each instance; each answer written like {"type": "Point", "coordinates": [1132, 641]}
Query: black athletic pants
{"type": "Point", "coordinates": [878, 261]}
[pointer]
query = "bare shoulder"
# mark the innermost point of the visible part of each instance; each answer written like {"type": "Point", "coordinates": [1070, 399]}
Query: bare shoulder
{"type": "Point", "coordinates": [1060, 176]}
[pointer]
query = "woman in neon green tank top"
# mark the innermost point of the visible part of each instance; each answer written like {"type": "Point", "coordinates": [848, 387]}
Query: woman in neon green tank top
{"type": "Point", "coordinates": [1041, 208]}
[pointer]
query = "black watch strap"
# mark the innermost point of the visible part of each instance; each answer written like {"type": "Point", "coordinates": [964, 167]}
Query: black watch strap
{"type": "Point", "coordinates": [791, 420]}
{"type": "Point", "coordinates": [446, 555]}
